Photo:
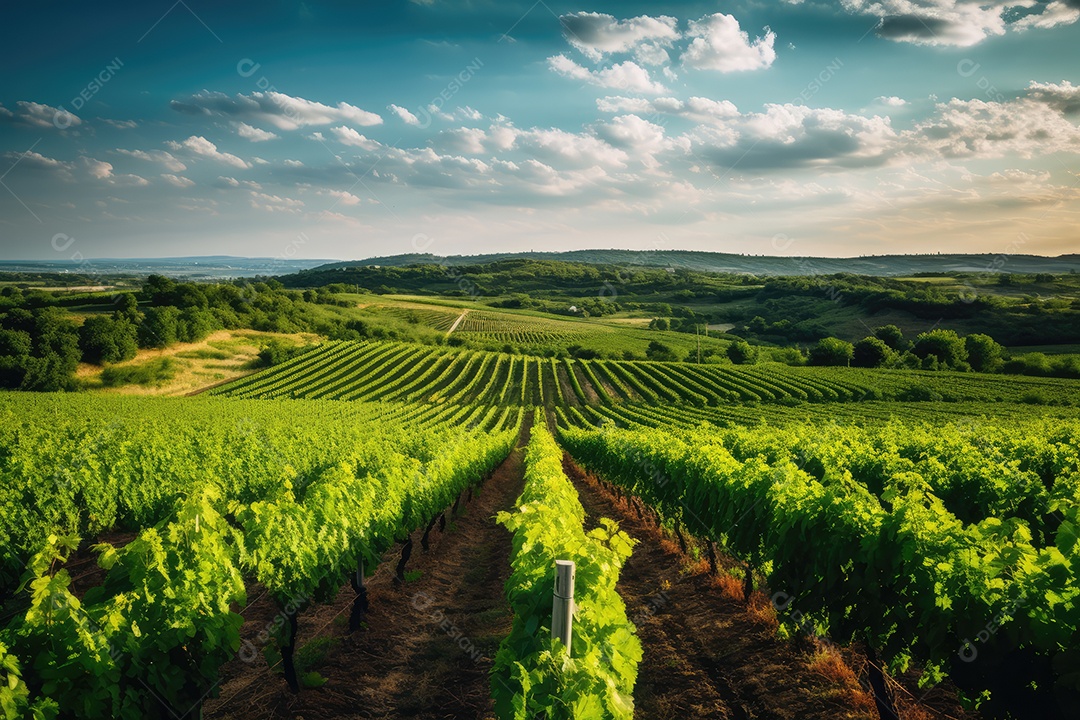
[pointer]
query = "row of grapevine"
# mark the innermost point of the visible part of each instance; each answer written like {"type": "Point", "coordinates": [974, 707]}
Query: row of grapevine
{"type": "Point", "coordinates": [400, 371]}
{"type": "Point", "coordinates": [531, 677]}
{"type": "Point", "coordinates": [149, 640]}
{"type": "Point", "coordinates": [899, 572]}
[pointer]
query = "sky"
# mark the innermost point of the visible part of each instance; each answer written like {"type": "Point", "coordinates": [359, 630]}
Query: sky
{"type": "Point", "coordinates": [347, 130]}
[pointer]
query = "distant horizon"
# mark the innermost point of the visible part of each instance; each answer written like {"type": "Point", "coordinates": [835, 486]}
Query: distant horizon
{"type": "Point", "coordinates": [305, 260]}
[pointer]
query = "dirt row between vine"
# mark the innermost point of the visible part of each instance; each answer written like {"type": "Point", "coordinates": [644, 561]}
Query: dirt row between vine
{"type": "Point", "coordinates": [708, 654]}
{"type": "Point", "coordinates": [427, 646]}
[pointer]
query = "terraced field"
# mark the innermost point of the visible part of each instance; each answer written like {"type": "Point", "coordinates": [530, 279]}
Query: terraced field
{"type": "Point", "coordinates": [374, 371]}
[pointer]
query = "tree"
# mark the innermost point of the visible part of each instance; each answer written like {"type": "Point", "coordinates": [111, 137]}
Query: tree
{"type": "Point", "coordinates": [741, 352]}
{"type": "Point", "coordinates": [15, 349]}
{"type": "Point", "coordinates": [660, 351]}
{"type": "Point", "coordinates": [194, 325]}
{"type": "Point", "coordinates": [984, 354]}
{"type": "Point", "coordinates": [128, 306]}
{"type": "Point", "coordinates": [660, 324]}
{"type": "Point", "coordinates": [158, 289]}
{"type": "Point", "coordinates": [105, 339]}
{"type": "Point", "coordinates": [55, 353]}
{"type": "Point", "coordinates": [831, 351]}
{"type": "Point", "coordinates": [870, 352]}
{"type": "Point", "coordinates": [159, 327]}
{"type": "Point", "coordinates": [944, 345]}
{"type": "Point", "coordinates": [757, 325]}
{"type": "Point", "coordinates": [891, 336]}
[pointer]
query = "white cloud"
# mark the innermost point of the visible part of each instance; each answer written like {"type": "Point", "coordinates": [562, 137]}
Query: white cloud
{"type": "Point", "coordinates": [275, 203]}
{"type": "Point", "coordinates": [348, 136]}
{"type": "Point", "coordinates": [639, 138]}
{"type": "Point", "coordinates": [282, 111]}
{"type": "Point", "coordinates": [720, 44]}
{"type": "Point", "coordinates": [697, 109]}
{"type": "Point", "coordinates": [254, 134]}
{"type": "Point", "coordinates": [1056, 13]}
{"type": "Point", "coordinates": [890, 101]}
{"type": "Point", "coordinates": [101, 170]}
{"type": "Point", "coordinates": [627, 76]}
{"type": "Point", "coordinates": [341, 197]}
{"type": "Point", "coordinates": [40, 116]}
{"type": "Point", "coordinates": [167, 160]}
{"type": "Point", "coordinates": [198, 145]}
{"type": "Point", "coordinates": [960, 23]}
{"type": "Point", "coordinates": [404, 115]}
{"type": "Point", "coordinates": [1063, 96]}
{"type": "Point", "coordinates": [1030, 126]}
{"type": "Point", "coordinates": [97, 169]}
{"type": "Point", "coordinates": [177, 180]}
{"type": "Point", "coordinates": [792, 136]}
{"type": "Point", "coordinates": [37, 161]}
{"type": "Point", "coordinates": [597, 34]}
{"type": "Point", "coordinates": [120, 124]}
{"type": "Point", "coordinates": [231, 182]}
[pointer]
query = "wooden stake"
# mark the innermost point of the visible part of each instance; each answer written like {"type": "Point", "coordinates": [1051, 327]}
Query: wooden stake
{"type": "Point", "coordinates": [562, 604]}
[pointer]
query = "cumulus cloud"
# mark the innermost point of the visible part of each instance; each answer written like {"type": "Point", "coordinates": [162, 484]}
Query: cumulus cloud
{"type": "Point", "coordinates": [627, 76]}
{"type": "Point", "coordinates": [890, 101]}
{"type": "Point", "coordinates": [1056, 13]}
{"type": "Point", "coordinates": [794, 136]}
{"type": "Point", "coordinates": [177, 180]}
{"type": "Point", "coordinates": [404, 115]}
{"type": "Point", "coordinates": [40, 115]}
{"type": "Point", "coordinates": [37, 161]}
{"type": "Point", "coordinates": [277, 109]}
{"type": "Point", "coordinates": [598, 34]}
{"type": "Point", "coordinates": [198, 145]}
{"type": "Point", "coordinates": [275, 203]}
{"type": "Point", "coordinates": [167, 160]}
{"type": "Point", "coordinates": [1063, 97]}
{"type": "Point", "coordinates": [231, 182]}
{"type": "Point", "coordinates": [97, 169]}
{"type": "Point", "coordinates": [720, 44]}
{"type": "Point", "coordinates": [348, 136]}
{"type": "Point", "coordinates": [103, 171]}
{"type": "Point", "coordinates": [697, 109]}
{"type": "Point", "coordinates": [1032, 125]}
{"type": "Point", "coordinates": [254, 134]}
{"type": "Point", "coordinates": [960, 23]}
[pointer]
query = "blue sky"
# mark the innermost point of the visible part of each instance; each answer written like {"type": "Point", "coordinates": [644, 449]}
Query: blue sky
{"type": "Point", "coordinates": [349, 130]}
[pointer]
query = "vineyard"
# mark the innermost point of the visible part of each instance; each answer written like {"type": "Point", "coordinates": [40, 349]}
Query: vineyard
{"type": "Point", "coordinates": [413, 373]}
{"type": "Point", "coordinates": [928, 519]}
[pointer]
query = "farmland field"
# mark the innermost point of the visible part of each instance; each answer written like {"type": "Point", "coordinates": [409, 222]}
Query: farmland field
{"type": "Point", "coordinates": [238, 552]}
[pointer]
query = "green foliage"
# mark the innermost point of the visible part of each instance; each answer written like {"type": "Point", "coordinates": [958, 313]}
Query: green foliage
{"type": "Point", "coordinates": [104, 339]}
{"type": "Point", "coordinates": [532, 677]}
{"type": "Point", "coordinates": [910, 539]}
{"type": "Point", "coordinates": [660, 352]}
{"type": "Point", "coordinates": [659, 324]}
{"type": "Point", "coordinates": [741, 352]}
{"type": "Point", "coordinates": [831, 351]}
{"type": "Point", "coordinates": [983, 353]}
{"type": "Point", "coordinates": [276, 352]}
{"type": "Point", "coordinates": [159, 327]}
{"type": "Point", "coordinates": [870, 352]}
{"type": "Point", "coordinates": [945, 346]}
{"type": "Point", "coordinates": [892, 336]}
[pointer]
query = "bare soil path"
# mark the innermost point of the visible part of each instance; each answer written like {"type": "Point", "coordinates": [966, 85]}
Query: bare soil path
{"type": "Point", "coordinates": [428, 645]}
{"type": "Point", "coordinates": [708, 654]}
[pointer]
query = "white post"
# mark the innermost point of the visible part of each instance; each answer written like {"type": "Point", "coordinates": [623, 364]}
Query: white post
{"type": "Point", "coordinates": [562, 607]}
